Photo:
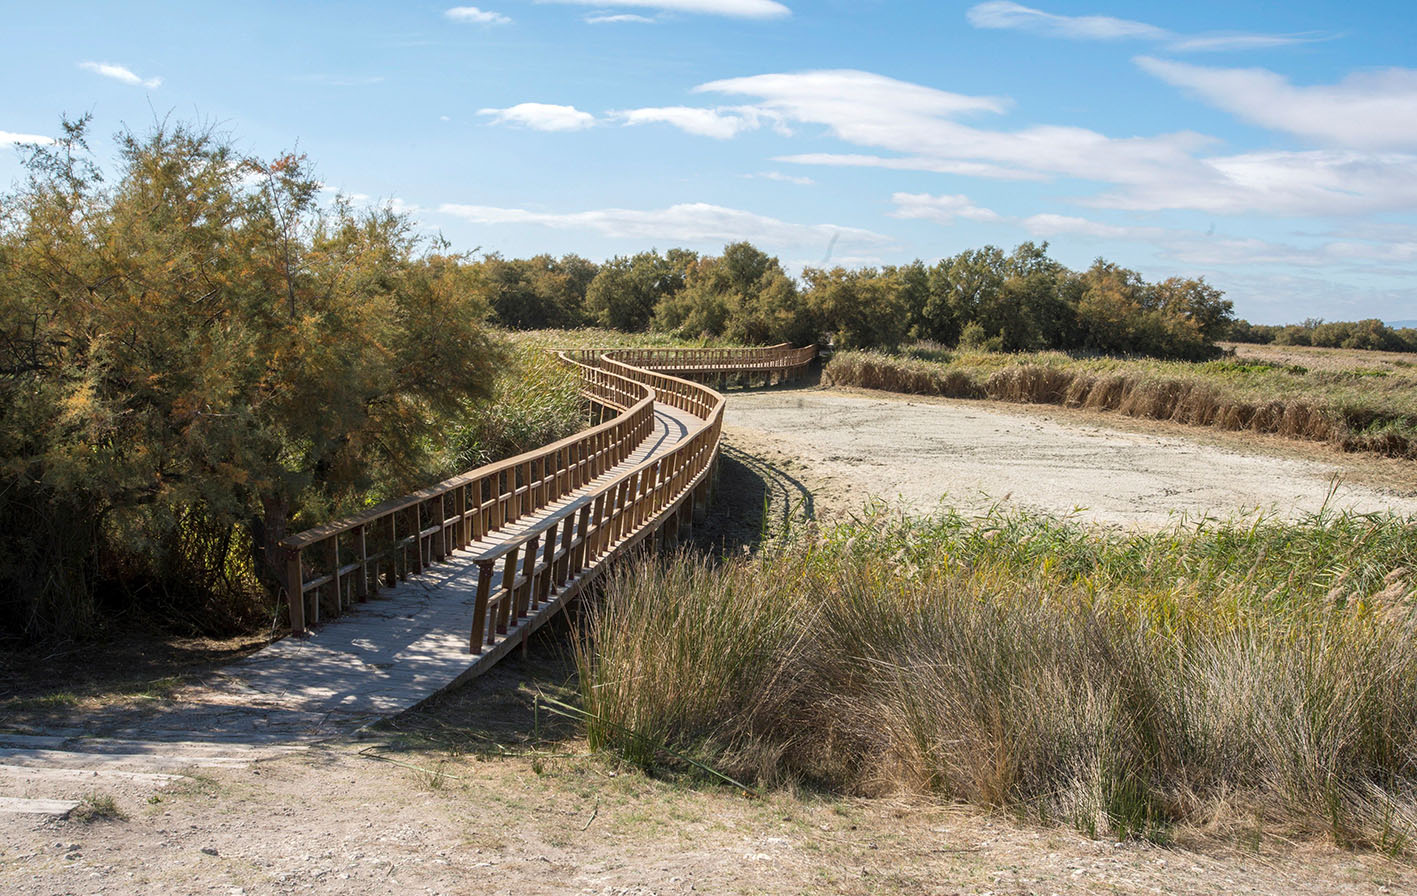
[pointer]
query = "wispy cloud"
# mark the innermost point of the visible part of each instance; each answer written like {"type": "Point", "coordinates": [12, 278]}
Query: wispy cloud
{"type": "Point", "coordinates": [944, 209]}
{"type": "Point", "coordinates": [783, 178]}
{"type": "Point", "coordinates": [919, 123]}
{"type": "Point", "coordinates": [541, 117]}
{"type": "Point", "coordinates": [9, 138]}
{"type": "Point", "coordinates": [1006, 15]}
{"type": "Point", "coordinates": [120, 73]}
{"type": "Point", "coordinates": [619, 18]}
{"type": "Point", "coordinates": [693, 222]}
{"type": "Point", "coordinates": [915, 128]}
{"type": "Point", "coordinates": [1369, 110]}
{"type": "Point", "coordinates": [471, 15]}
{"type": "Point", "coordinates": [738, 9]}
{"type": "Point", "coordinates": [720, 123]}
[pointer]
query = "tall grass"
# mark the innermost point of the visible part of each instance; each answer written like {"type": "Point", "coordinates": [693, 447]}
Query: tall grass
{"type": "Point", "coordinates": [536, 399]}
{"type": "Point", "coordinates": [1359, 409]}
{"type": "Point", "coordinates": [1213, 674]}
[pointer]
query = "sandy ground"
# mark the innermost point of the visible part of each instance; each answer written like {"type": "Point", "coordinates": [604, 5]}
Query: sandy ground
{"type": "Point", "coordinates": [849, 446]}
{"type": "Point", "coordinates": [465, 798]}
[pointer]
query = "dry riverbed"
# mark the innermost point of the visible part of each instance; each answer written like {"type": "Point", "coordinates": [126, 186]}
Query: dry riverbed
{"type": "Point", "coordinates": [848, 447]}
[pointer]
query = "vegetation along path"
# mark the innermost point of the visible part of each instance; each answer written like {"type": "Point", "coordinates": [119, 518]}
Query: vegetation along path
{"type": "Point", "coordinates": [482, 560]}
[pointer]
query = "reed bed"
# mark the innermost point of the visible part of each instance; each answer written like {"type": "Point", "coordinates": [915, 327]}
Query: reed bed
{"type": "Point", "coordinates": [1212, 675]}
{"type": "Point", "coordinates": [536, 400]}
{"type": "Point", "coordinates": [1357, 408]}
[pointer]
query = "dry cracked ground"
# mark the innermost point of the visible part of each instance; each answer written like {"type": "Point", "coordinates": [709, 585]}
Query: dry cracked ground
{"type": "Point", "coordinates": [489, 790]}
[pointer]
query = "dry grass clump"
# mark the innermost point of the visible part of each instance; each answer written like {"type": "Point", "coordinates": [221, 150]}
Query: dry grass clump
{"type": "Point", "coordinates": [1359, 409]}
{"type": "Point", "coordinates": [1208, 675]}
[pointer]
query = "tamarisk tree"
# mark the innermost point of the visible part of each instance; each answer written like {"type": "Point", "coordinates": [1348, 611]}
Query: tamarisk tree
{"type": "Point", "coordinates": [195, 358]}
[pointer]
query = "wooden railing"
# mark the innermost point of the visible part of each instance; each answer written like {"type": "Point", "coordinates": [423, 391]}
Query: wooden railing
{"type": "Point", "coordinates": [344, 561]}
{"type": "Point", "coordinates": [781, 360]}
{"type": "Point", "coordinates": [553, 557]}
{"type": "Point", "coordinates": [332, 566]}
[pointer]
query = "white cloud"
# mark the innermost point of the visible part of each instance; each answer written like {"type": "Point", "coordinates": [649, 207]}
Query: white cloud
{"type": "Point", "coordinates": [738, 9]}
{"type": "Point", "coordinates": [1000, 14]}
{"type": "Point", "coordinates": [120, 73]}
{"type": "Point", "coordinates": [541, 117]}
{"type": "Point", "coordinates": [693, 222]}
{"type": "Point", "coordinates": [1003, 14]}
{"type": "Point", "coordinates": [471, 15]}
{"type": "Point", "coordinates": [1209, 249]}
{"type": "Point", "coordinates": [1369, 110]}
{"type": "Point", "coordinates": [9, 138]}
{"type": "Point", "coordinates": [943, 209]}
{"type": "Point", "coordinates": [783, 178]}
{"type": "Point", "coordinates": [619, 19]}
{"type": "Point", "coordinates": [721, 123]}
{"type": "Point", "coordinates": [1224, 42]}
{"type": "Point", "coordinates": [1316, 182]}
{"type": "Point", "coordinates": [917, 121]}
{"type": "Point", "coordinates": [1068, 225]}
{"type": "Point", "coordinates": [897, 163]}
{"type": "Point", "coordinates": [915, 127]}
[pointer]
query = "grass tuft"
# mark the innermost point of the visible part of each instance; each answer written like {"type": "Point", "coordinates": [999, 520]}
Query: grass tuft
{"type": "Point", "coordinates": [1124, 683]}
{"type": "Point", "coordinates": [97, 806]}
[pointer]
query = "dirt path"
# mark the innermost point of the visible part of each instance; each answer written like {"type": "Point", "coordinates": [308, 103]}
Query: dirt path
{"type": "Point", "coordinates": [848, 447]}
{"type": "Point", "coordinates": [480, 793]}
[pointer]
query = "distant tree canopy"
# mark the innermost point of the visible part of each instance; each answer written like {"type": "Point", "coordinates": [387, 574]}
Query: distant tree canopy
{"type": "Point", "coordinates": [1370, 334]}
{"type": "Point", "coordinates": [195, 356]}
{"type": "Point", "coordinates": [988, 298]}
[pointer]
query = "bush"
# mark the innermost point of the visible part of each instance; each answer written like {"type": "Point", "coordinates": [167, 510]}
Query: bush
{"type": "Point", "coordinates": [198, 358]}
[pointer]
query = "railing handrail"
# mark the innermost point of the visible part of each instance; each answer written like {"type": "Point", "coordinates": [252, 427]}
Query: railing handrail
{"type": "Point", "coordinates": [403, 502]}
{"type": "Point", "coordinates": [773, 357]}
{"type": "Point", "coordinates": [401, 536]}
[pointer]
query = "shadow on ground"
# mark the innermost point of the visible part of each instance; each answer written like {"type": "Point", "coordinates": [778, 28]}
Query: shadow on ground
{"type": "Point", "coordinates": [756, 502]}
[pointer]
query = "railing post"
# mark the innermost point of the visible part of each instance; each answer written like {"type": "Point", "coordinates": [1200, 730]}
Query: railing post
{"type": "Point", "coordinates": [479, 606]}
{"type": "Point", "coordinates": [295, 591]}
{"type": "Point", "coordinates": [579, 542]}
{"type": "Point", "coordinates": [361, 545]}
{"type": "Point", "coordinates": [509, 584]}
{"type": "Point", "coordinates": [391, 575]}
{"type": "Point", "coordinates": [416, 512]}
{"type": "Point", "coordinates": [528, 585]}
{"type": "Point", "coordinates": [333, 554]}
{"type": "Point", "coordinates": [548, 573]}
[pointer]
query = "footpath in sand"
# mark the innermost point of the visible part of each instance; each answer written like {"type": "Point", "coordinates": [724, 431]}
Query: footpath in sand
{"type": "Point", "coordinates": [919, 455]}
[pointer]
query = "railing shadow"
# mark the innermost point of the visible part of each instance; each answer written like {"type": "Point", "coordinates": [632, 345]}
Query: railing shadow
{"type": "Point", "coordinates": [756, 502]}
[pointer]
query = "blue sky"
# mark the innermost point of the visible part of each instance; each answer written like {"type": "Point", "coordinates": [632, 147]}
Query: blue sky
{"type": "Point", "coordinates": [1271, 148]}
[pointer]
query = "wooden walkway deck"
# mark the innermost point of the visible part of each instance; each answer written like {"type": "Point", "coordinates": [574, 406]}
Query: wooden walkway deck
{"type": "Point", "coordinates": [430, 589]}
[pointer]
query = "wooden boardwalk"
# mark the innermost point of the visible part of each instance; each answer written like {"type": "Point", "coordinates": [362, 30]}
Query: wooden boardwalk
{"type": "Point", "coordinates": [430, 589]}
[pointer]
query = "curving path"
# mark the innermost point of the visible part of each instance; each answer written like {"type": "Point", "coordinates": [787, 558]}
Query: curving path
{"type": "Point", "coordinates": [468, 570]}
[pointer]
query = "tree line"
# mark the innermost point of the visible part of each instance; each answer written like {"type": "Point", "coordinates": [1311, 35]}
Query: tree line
{"type": "Point", "coordinates": [987, 298]}
{"type": "Point", "coordinates": [1370, 334]}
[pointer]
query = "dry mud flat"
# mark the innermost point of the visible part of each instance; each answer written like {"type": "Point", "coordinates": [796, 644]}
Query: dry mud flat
{"type": "Point", "coordinates": [919, 455]}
